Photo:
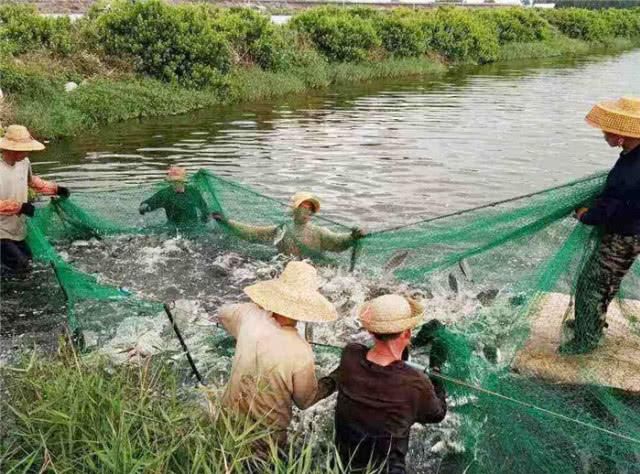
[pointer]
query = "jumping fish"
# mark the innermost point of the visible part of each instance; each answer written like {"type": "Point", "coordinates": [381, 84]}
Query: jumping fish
{"type": "Point", "coordinates": [453, 283]}
{"type": "Point", "coordinates": [465, 269]}
{"type": "Point", "coordinates": [396, 260]}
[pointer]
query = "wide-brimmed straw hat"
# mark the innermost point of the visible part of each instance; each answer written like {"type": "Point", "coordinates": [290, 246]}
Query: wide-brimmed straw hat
{"type": "Point", "coordinates": [18, 138]}
{"type": "Point", "coordinates": [298, 198]}
{"type": "Point", "coordinates": [294, 294]}
{"type": "Point", "coordinates": [176, 174]}
{"type": "Point", "coordinates": [621, 116]}
{"type": "Point", "coordinates": [389, 314]}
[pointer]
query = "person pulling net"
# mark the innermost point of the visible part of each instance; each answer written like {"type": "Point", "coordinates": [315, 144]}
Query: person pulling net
{"type": "Point", "coordinates": [16, 182]}
{"type": "Point", "coordinates": [379, 396]}
{"type": "Point", "coordinates": [182, 203]}
{"type": "Point", "coordinates": [300, 237]}
{"type": "Point", "coordinates": [616, 212]}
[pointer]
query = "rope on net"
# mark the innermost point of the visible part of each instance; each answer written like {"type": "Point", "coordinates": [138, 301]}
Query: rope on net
{"type": "Point", "coordinates": [494, 394]}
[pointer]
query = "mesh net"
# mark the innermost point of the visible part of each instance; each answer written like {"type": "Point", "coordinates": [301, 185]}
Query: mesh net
{"type": "Point", "coordinates": [523, 406]}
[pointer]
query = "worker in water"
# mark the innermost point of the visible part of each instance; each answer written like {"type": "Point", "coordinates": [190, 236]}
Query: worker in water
{"type": "Point", "coordinates": [273, 367]}
{"type": "Point", "coordinates": [379, 396]}
{"type": "Point", "coordinates": [16, 179]}
{"type": "Point", "coordinates": [617, 213]}
{"type": "Point", "coordinates": [182, 203]}
{"type": "Point", "coordinates": [299, 237]}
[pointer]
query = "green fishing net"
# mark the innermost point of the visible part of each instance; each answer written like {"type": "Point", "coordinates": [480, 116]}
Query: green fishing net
{"type": "Point", "coordinates": [523, 407]}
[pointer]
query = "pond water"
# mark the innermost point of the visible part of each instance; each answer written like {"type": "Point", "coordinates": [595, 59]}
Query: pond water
{"type": "Point", "coordinates": [379, 153]}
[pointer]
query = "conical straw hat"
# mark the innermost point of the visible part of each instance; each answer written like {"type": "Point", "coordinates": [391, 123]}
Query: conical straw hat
{"type": "Point", "coordinates": [294, 295]}
{"type": "Point", "coordinates": [389, 314]}
{"type": "Point", "coordinates": [621, 116]}
{"type": "Point", "coordinates": [298, 198]}
{"type": "Point", "coordinates": [18, 138]}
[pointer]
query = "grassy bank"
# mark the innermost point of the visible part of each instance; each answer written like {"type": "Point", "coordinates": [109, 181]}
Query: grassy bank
{"type": "Point", "coordinates": [72, 415]}
{"type": "Point", "coordinates": [149, 59]}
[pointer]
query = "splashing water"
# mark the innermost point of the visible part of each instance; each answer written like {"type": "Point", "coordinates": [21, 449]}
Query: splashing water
{"type": "Point", "coordinates": [198, 277]}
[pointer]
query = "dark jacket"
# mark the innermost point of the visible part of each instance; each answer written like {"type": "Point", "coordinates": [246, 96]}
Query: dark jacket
{"type": "Point", "coordinates": [377, 406]}
{"type": "Point", "coordinates": [617, 209]}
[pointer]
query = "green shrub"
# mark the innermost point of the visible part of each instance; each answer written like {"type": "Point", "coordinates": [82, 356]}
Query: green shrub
{"type": "Point", "coordinates": [622, 23]}
{"type": "Point", "coordinates": [597, 4]}
{"type": "Point", "coordinates": [338, 34]}
{"type": "Point", "coordinates": [403, 35]}
{"type": "Point", "coordinates": [22, 30]}
{"type": "Point", "coordinates": [170, 43]}
{"type": "Point", "coordinates": [460, 35]}
{"type": "Point", "coordinates": [23, 82]}
{"type": "Point", "coordinates": [579, 24]}
{"type": "Point", "coordinates": [517, 25]}
{"type": "Point", "coordinates": [251, 35]}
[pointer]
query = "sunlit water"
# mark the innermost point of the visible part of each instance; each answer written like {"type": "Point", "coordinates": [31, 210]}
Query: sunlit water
{"type": "Point", "coordinates": [378, 155]}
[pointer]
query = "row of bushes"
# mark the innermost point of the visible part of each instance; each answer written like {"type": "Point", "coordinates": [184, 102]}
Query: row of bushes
{"type": "Point", "coordinates": [196, 45]}
{"type": "Point", "coordinates": [597, 4]}
{"type": "Point", "coordinates": [595, 26]}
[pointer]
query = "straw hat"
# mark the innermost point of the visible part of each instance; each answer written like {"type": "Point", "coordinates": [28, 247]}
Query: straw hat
{"type": "Point", "coordinates": [176, 173]}
{"type": "Point", "coordinates": [621, 116]}
{"type": "Point", "coordinates": [18, 138]}
{"type": "Point", "coordinates": [298, 198]}
{"type": "Point", "coordinates": [294, 295]}
{"type": "Point", "coordinates": [389, 314]}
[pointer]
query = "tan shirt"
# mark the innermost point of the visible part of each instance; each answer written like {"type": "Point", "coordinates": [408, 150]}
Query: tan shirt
{"type": "Point", "coordinates": [273, 366]}
{"type": "Point", "coordinates": [15, 182]}
{"type": "Point", "coordinates": [14, 186]}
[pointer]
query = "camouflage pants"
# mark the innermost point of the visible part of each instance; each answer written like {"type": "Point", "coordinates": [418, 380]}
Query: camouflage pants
{"type": "Point", "coordinates": [599, 283]}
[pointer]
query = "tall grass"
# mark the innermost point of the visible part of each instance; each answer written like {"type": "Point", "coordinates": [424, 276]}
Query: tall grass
{"type": "Point", "coordinates": [70, 415]}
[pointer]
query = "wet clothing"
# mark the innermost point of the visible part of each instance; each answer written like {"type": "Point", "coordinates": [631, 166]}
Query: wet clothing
{"type": "Point", "coordinates": [617, 209]}
{"type": "Point", "coordinates": [181, 208]}
{"type": "Point", "coordinates": [15, 182]}
{"type": "Point", "coordinates": [14, 256]}
{"type": "Point", "coordinates": [273, 366]}
{"type": "Point", "coordinates": [377, 405]}
{"type": "Point", "coordinates": [598, 284]}
{"type": "Point", "coordinates": [294, 239]}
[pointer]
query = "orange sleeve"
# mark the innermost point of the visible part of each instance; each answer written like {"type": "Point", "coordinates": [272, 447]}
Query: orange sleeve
{"type": "Point", "coordinates": [41, 186]}
{"type": "Point", "coordinates": [9, 208]}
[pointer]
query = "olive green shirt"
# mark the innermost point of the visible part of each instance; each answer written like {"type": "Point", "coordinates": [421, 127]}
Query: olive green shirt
{"type": "Point", "coordinates": [294, 239]}
{"type": "Point", "coordinates": [181, 208]}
